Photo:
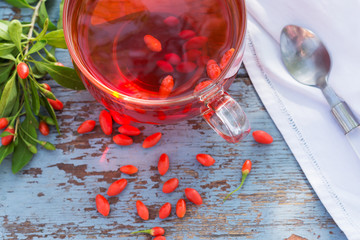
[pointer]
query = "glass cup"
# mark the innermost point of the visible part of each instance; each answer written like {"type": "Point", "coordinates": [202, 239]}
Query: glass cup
{"type": "Point", "coordinates": [219, 109]}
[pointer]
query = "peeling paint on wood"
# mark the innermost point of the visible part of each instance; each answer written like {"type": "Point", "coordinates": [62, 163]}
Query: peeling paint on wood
{"type": "Point", "coordinates": [53, 197]}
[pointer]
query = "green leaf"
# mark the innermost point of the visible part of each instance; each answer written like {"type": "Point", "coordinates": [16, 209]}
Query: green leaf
{"type": "Point", "coordinates": [4, 31]}
{"type": "Point", "coordinates": [60, 21]}
{"type": "Point", "coordinates": [15, 31]}
{"type": "Point", "coordinates": [35, 101]}
{"type": "Point", "coordinates": [8, 57]}
{"type": "Point", "coordinates": [43, 15]}
{"type": "Point", "coordinates": [22, 155]}
{"type": "Point", "coordinates": [29, 113]}
{"type": "Point", "coordinates": [50, 110]}
{"type": "Point", "coordinates": [19, 3]}
{"type": "Point", "coordinates": [37, 47]}
{"type": "Point", "coordinates": [50, 56]}
{"type": "Point", "coordinates": [6, 48]}
{"type": "Point", "coordinates": [32, 1]}
{"type": "Point", "coordinates": [5, 133]}
{"type": "Point", "coordinates": [66, 77]}
{"type": "Point", "coordinates": [8, 97]}
{"type": "Point", "coordinates": [5, 72]}
{"type": "Point", "coordinates": [6, 151]}
{"type": "Point", "coordinates": [56, 39]}
{"type": "Point", "coordinates": [43, 31]}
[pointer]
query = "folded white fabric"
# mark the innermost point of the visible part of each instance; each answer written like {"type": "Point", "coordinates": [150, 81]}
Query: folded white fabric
{"type": "Point", "coordinates": [300, 112]}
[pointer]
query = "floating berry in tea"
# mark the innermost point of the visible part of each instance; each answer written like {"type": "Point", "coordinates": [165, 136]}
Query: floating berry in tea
{"type": "Point", "coordinates": [226, 58]}
{"type": "Point", "coordinates": [186, 67]}
{"type": "Point", "coordinates": [192, 55]}
{"type": "Point", "coordinates": [165, 66]}
{"type": "Point", "coordinates": [152, 43]}
{"type": "Point", "coordinates": [166, 86]}
{"type": "Point", "coordinates": [171, 21]}
{"type": "Point", "coordinates": [173, 58]}
{"type": "Point", "coordinates": [213, 69]}
{"type": "Point", "coordinates": [202, 85]}
{"type": "Point", "coordinates": [196, 43]}
{"type": "Point", "coordinates": [187, 34]}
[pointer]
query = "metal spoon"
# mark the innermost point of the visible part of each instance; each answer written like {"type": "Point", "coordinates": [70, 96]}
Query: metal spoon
{"type": "Point", "coordinates": [308, 62]}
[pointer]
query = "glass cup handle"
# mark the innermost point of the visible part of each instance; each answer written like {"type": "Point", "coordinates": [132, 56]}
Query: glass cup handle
{"type": "Point", "coordinates": [226, 117]}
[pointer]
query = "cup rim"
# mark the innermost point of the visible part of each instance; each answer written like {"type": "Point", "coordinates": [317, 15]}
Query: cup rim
{"type": "Point", "coordinates": [148, 102]}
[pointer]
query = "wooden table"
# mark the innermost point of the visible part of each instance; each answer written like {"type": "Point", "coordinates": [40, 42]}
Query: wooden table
{"type": "Point", "coordinates": [53, 197]}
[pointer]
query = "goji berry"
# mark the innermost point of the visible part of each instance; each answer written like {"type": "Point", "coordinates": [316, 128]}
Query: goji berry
{"type": "Point", "coordinates": [171, 21]}
{"type": "Point", "coordinates": [129, 130]}
{"type": "Point", "coordinates": [123, 140]}
{"type": "Point", "coordinates": [56, 104]}
{"type": "Point", "coordinates": [213, 70]}
{"type": "Point", "coordinates": [165, 66]}
{"type": "Point", "coordinates": [152, 43]}
{"type": "Point", "coordinates": [8, 139]}
{"type": "Point", "coordinates": [4, 122]}
{"type": "Point", "coordinates": [155, 231]}
{"type": "Point", "coordinates": [205, 159]}
{"type": "Point", "coordinates": [160, 238]}
{"type": "Point", "coordinates": [44, 128]}
{"type": "Point", "coordinates": [181, 208]}
{"type": "Point", "coordinates": [225, 59]}
{"type": "Point", "coordinates": [193, 196]}
{"type": "Point", "coordinates": [187, 34]}
{"type": "Point", "coordinates": [23, 70]}
{"type": "Point", "coordinates": [105, 122]}
{"type": "Point", "coordinates": [161, 115]}
{"type": "Point", "coordinates": [192, 55]}
{"type": "Point", "coordinates": [86, 126]}
{"type": "Point", "coordinates": [262, 137]}
{"type": "Point", "coordinates": [152, 140]}
{"type": "Point", "coordinates": [170, 185]}
{"type": "Point", "coordinates": [46, 86]}
{"type": "Point", "coordinates": [196, 42]}
{"type": "Point", "coordinates": [165, 211]}
{"type": "Point", "coordinates": [59, 64]}
{"type": "Point", "coordinates": [119, 119]}
{"type": "Point", "coordinates": [129, 169]}
{"type": "Point", "coordinates": [117, 187]}
{"type": "Point", "coordinates": [163, 164]}
{"type": "Point", "coordinates": [202, 85]}
{"type": "Point", "coordinates": [186, 67]}
{"type": "Point", "coordinates": [142, 210]}
{"type": "Point", "coordinates": [102, 205]}
{"type": "Point", "coordinates": [166, 86]}
{"type": "Point", "coordinates": [246, 168]}
{"type": "Point", "coordinates": [173, 58]}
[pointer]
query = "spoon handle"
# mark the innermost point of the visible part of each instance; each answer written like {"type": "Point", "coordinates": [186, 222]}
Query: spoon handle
{"type": "Point", "coordinates": [354, 138]}
{"type": "Point", "coordinates": [345, 117]}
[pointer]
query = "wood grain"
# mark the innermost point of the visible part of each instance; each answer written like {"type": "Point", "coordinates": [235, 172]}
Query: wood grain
{"type": "Point", "coordinates": [53, 198]}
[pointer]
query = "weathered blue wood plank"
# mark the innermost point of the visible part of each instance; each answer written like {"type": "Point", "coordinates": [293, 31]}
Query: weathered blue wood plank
{"type": "Point", "coordinates": [54, 196]}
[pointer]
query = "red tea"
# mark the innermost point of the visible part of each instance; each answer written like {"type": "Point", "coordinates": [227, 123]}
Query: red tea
{"type": "Point", "coordinates": [134, 46]}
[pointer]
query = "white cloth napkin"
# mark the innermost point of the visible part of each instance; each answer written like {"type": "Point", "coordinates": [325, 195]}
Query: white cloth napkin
{"type": "Point", "coordinates": [300, 112]}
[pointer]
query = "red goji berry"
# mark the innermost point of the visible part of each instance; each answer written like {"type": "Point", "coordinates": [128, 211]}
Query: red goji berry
{"type": "Point", "coordinates": [142, 210]}
{"type": "Point", "coordinates": [181, 208]}
{"type": "Point", "coordinates": [129, 169]}
{"type": "Point", "coordinates": [23, 70]}
{"type": "Point", "coordinates": [170, 185]}
{"type": "Point", "coordinates": [192, 55]}
{"type": "Point", "coordinates": [129, 130]}
{"type": "Point", "coordinates": [152, 140]}
{"type": "Point", "coordinates": [187, 34]}
{"type": "Point", "coordinates": [166, 86]}
{"type": "Point", "coordinates": [213, 70]}
{"type": "Point", "coordinates": [262, 137]}
{"type": "Point", "coordinates": [152, 43]}
{"type": "Point", "coordinates": [202, 85]}
{"type": "Point", "coordinates": [160, 238]}
{"type": "Point", "coordinates": [86, 126]}
{"type": "Point", "coordinates": [155, 231]}
{"type": "Point", "coordinates": [117, 187]}
{"type": "Point", "coordinates": [186, 67]}
{"type": "Point", "coordinates": [171, 21]}
{"type": "Point", "coordinates": [163, 164]}
{"type": "Point", "coordinates": [44, 128]}
{"type": "Point", "coordinates": [203, 60]}
{"type": "Point", "coordinates": [193, 196]}
{"type": "Point", "coordinates": [123, 140]}
{"type": "Point", "coordinates": [225, 59]}
{"type": "Point", "coordinates": [46, 86]}
{"type": "Point", "coordinates": [119, 119]}
{"type": "Point", "coordinates": [165, 211]}
{"type": "Point", "coordinates": [165, 66]}
{"type": "Point", "coordinates": [4, 122]}
{"type": "Point", "coordinates": [8, 139]}
{"type": "Point", "coordinates": [246, 168]}
{"type": "Point", "coordinates": [173, 58]}
{"type": "Point", "coordinates": [161, 115]}
{"type": "Point", "coordinates": [56, 104]}
{"type": "Point", "coordinates": [205, 159]}
{"type": "Point", "coordinates": [196, 42]}
{"type": "Point", "coordinates": [59, 64]}
{"type": "Point", "coordinates": [102, 205]}
{"type": "Point", "coordinates": [105, 122]}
